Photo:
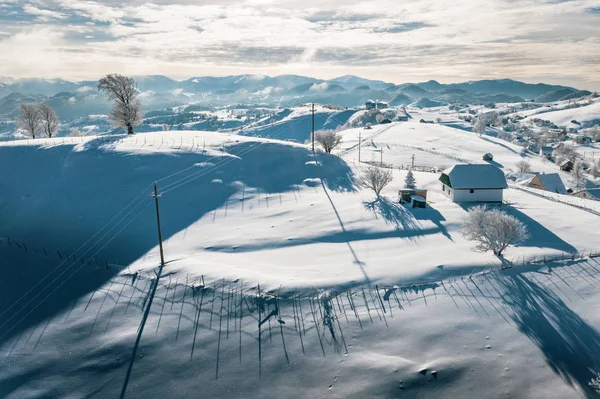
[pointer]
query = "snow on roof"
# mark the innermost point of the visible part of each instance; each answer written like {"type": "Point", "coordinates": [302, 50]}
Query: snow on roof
{"type": "Point", "coordinates": [418, 198]}
{"type": "Point", "coordinates": [553, 182]}
{"type": "Point", "coordinates": [471, 176]}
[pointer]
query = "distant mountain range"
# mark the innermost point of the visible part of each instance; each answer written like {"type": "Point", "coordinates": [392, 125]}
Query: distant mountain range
{"type": "Point", "coordinates": [76, 99]}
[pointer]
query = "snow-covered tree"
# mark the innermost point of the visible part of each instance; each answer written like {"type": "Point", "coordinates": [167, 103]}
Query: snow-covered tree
{"type": "Point", "coordinates": [479, 126]}
{"type": "Point", "coordinates": [409, 180]}
{"type": "Point", "coordinates": [493, 230]}
{"type": "Point", "coordinates": [30, 120]}
{"type": "Point", "coordinates": [375, 178]}
{"type": "Point", "coordinates": [578, 173]}
{"type": "Point", "coordinates": [523, 166]}
{"type": "Point", "coordinates": [74, 132]}
{"type": "Point", "coordinates": [595, 171]}
{"type": "Point", "coordinates": [127, 111]}
{"type": "Point", "coordinates": [595, 383]}
{"type": "Point", "coordinates": [49, 120]}
{"type": "Point", "coordinates": [328, 139]}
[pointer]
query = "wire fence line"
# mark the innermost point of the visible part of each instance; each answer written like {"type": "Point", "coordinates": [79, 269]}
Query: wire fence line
{"type": "Point", "coordinates": [579, 203]}
{"type": "Point", "coordinates": [253, 321]}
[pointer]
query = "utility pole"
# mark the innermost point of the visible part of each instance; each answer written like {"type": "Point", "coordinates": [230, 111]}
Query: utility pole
{"type": "Point", "coordinates": [359, 143]}
{"type": "Point", "coordinates": [313, 127]}
{"type": "Point", "coordinates": [381, 154]}
{"type": "Point", "coordinates": [156, 196]}
{"type": "Point", "coordinates": [412, 163]}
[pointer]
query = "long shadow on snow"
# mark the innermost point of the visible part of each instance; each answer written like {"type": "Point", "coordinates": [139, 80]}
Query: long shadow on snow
{"type": "Point", "coordinates": [570, 345]}
{"type": "Point", "coordinates": [67, 195]}
{"type": "Point", "coordinates": [539, 236]}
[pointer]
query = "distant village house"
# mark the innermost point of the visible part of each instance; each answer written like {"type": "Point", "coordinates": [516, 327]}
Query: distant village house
{"type": "Point", "coordinates": [546, 151]}
{"type": "Point", "coordinates": [589, 193]}
{"type": "Point", "coordinates": [549, 182]}
{"type": "Point", "coordinates": [376, 105]}
{"type": "Point", "coordinates": [566, 166]}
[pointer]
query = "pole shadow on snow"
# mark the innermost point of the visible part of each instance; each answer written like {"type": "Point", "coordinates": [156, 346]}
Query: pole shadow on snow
{"type": "Point", "coordinates": [570, 345]}
{"type": "Point", "coordinates": [68, 195]}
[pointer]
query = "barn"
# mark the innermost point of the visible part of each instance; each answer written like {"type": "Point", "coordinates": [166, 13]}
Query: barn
{"type": "Point", "coordinates": [549, 182]}
{"type": "Point", "coordinates": [473, 183]}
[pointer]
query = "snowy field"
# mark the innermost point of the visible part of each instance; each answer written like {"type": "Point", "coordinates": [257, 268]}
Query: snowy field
{"type": "Point", "coordinates": [244, 215]}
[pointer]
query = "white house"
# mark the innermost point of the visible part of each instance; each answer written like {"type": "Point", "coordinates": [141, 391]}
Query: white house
{"type": "Point", "coordinates": [473, 183]}
{"type": "Point", "coordinates": [546, 151]}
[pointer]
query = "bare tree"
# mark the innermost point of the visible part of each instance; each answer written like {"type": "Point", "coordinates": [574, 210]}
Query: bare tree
{"type": "Point", "coordinates": [165, 127]}
{"type": "Point", "coordinates": [126, 112]}
{"type": "Point", "coordinates": [49, 120]}
{"type": "Point", "coordinates": [493, 230]}
{"type": "Point", "coordinates": [30, 120]}
{"type": "Point", "coordinates": [376, 179]}
{"type": "Point", "coordinates": [328, 139]}
{"type": "Point", "coordinates": [523, 166]}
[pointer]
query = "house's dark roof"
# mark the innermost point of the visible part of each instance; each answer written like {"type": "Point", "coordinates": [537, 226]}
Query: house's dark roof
{"type": "Point", "coordinates": [474, 176]}
{"type": "Point", "coordinates": [553, 182]}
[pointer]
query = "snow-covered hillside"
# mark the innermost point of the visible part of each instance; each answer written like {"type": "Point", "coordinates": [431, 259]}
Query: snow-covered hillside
{"type": "Point", "coordinates": [284, 277]}
{"type": "Point", "coordinates": [253, 208]}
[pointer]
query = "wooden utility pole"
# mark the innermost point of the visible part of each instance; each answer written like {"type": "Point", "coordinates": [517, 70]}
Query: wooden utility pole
{"type": "Point", "coordinates": [412, 163]}
{"type": "Point", "coordinates": [313, 127]}
{"type": "Point", "coordinates": [156, 196]}
{"type": "Point", "coordinates": [381, 155]}
{"type": "Point", "coordinates": [359, 142]}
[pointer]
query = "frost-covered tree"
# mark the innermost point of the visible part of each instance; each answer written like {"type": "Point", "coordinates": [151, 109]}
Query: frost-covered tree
{"type": "Point", "coordinates": [49, 120]}
{"type": "Point", "coordinates": [523, 166]}
{"type": "Point", "coordinates": [409, 180]}
{"type": "Point", "coordinates": [74, 132]}
{"type": "Point", "coordinates": [493, 230]}
{"type": "Point", "coordinates": [578, 173]}
{"type": "Point", "coordinates": [328, 139]}
{"type": "Point", "coordinates": [595, 171]}
{"type": "Point", "coordinates": [479, 126]}
{"type": "Point", "coordinates": [595, 383]}
{"type": "Point", "coordinates": [127, 110]}
{"type": "Point", "coordinates": [375, 178]}
{"type": "Point", "coordinates": [30, 120]}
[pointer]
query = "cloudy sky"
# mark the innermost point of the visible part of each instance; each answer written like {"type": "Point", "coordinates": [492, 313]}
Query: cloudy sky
{"type": "Point", "coordinates": [553, 41]}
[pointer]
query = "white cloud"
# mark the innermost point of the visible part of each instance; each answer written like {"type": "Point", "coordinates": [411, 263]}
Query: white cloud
{"type": "Point", "coordinates": [413, 40]}
{"type": "Point", "coordinates": [43, 15]}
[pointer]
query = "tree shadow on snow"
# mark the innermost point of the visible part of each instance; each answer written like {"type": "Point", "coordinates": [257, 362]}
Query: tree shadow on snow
{"type": "Point", "coordinates": [392, 213]}
{"type": "Point", "coordinates": [434, 216]}
{"type": "Point", "coordinates": [496, 143]}
{"type": "Point", "coordinates": [570, 345]}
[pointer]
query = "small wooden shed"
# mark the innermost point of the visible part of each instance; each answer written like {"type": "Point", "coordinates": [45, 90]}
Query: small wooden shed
{"type": "Point", "coordinates": [405, 195]}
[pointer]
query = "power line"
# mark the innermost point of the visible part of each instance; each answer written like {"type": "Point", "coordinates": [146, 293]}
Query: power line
{"type": "Point", "coordinates": [79, 249]}
{"type": "Point", "coordinates": [201, 173]}
{"type": "Point", "coordinates": [67, 278]}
